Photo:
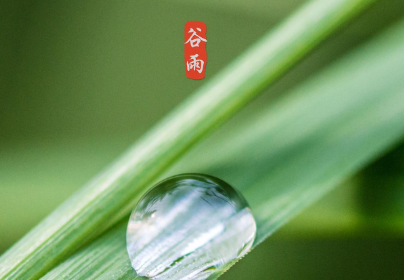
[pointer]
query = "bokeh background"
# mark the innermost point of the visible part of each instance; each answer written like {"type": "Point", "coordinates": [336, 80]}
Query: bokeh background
{"type": "Point", "coordinates": [81, 80]}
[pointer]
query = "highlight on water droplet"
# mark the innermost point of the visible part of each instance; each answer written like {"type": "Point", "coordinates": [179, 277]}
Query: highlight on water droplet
{"type": "Point", "coordinates": [189, 227]}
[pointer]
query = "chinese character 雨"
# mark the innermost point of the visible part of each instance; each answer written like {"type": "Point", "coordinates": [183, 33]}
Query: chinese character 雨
{"type": "Point", "coordinates": [195, 64]}
{"type": "Point", "coordinates": [195, 42]}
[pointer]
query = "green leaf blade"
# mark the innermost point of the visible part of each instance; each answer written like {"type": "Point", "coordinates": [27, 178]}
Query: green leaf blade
{"type": "Point", "coordinates": [358, 108]}
{"type": "Point", "coordinates": [112, 192]}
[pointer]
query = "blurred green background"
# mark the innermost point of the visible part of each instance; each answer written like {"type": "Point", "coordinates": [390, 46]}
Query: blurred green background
{"type": "Point", "coordinates": [81, 80]}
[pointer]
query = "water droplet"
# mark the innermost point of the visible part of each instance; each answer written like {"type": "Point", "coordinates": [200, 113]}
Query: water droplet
{"type": "Point", "coordinates": [189, 227]}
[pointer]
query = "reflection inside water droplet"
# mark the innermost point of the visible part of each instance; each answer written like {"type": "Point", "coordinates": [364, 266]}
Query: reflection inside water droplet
{"type": "Point", "coordinates": [188, 227]}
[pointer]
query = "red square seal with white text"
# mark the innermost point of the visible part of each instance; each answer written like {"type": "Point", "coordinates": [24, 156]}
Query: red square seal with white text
{"type": "Point", "coordinates": [195, 49]}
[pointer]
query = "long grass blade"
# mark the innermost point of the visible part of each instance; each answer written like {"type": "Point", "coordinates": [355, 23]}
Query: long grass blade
{"type": "Point", "coordinates": [119, 185]}
{"type": "Point", "coordinates": [304, 145]}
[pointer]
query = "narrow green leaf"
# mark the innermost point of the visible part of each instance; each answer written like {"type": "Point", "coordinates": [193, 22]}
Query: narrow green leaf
{"type": "Point", "coordinates": [84, 214]}
{"type": "Point", "coordinates": [300, 147]}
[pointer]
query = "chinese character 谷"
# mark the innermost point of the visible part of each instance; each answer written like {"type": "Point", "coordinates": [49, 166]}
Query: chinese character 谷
{"type": "Point", "coordinates": [195, 42]}
{"type": "Point", "coordinates": [195, 64]}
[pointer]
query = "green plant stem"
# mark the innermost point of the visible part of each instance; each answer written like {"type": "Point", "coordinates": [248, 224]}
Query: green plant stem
{"type": "Point", "coordinates": [116, 188]}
